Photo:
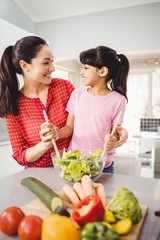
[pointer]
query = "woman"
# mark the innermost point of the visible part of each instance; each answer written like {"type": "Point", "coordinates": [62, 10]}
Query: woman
{"type": "Point", "coordinates": [32, 58]}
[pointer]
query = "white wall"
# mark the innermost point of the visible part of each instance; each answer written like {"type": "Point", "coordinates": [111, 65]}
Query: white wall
{"type": "Point", "coordinates": [10, 34]}
{"type": "Point", "coordinates": [126, 29]}
{"type": "Point", "coordinates": [11, 12]}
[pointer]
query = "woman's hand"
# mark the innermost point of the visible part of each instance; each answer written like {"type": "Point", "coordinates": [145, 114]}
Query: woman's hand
{"type": "Point", "coordinates": [123, 136]}
{"type": "Point", "coordinates": [110, 142]}
{"type": "Point", "coordinates": [47, 132]}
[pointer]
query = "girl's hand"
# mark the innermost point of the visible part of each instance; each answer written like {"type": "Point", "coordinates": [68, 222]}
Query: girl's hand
{"type": "Point", "coordinates": [47, 132]}
{"type": "Point", "coordinates": [110, 142]}
{"type": "Point", "coordinates": [122, 136]}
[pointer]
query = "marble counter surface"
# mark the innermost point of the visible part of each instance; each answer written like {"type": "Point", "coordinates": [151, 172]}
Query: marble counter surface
{"type": "Point", "coordinates": [146, 190]}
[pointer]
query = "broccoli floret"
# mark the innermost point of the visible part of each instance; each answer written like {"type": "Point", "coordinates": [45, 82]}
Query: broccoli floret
{"type": "Point", "coordinates": [125, 205]}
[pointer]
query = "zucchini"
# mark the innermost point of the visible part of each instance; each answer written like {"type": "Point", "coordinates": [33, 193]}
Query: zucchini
{"type": "Point", "coordinates": [62, 211]}
{"type": "Point", "coordinates": [49, 198]}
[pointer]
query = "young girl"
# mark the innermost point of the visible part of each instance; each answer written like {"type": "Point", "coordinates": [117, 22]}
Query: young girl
{"type": "Point", "coordinates": [93, 110]}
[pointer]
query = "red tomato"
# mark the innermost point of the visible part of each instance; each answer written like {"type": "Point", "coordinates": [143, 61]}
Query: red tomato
{"type": "Point", "coordinates": [10, 219]}
{"type": "Point", "coordinates": [30, 228]}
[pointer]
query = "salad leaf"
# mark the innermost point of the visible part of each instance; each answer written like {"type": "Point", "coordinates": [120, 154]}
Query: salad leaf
{"type": "Point", "coordinates": [74, 164]}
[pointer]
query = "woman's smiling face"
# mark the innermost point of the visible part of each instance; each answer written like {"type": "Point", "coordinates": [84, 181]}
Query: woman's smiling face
{"type": "Point", "coordinates": [42, 66]}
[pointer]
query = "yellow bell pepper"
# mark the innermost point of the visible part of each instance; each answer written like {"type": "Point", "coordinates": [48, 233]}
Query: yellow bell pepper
{"type": "Point", "coordinates": [109, 217]}
{"type": "Point", "coordinates": [123, 226]}
{"type": "Point", "coordinates": [57, 227]}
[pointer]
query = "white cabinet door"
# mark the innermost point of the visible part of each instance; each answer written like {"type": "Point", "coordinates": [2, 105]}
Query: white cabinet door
{"type": "Point", "coordinates": [8, 165]}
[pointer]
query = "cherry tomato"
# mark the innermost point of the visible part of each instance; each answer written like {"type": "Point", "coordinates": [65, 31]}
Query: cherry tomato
{"type": "Point", "coordinates": [10, 219]}
{"type": "Point", "coordinates": [30, 228]}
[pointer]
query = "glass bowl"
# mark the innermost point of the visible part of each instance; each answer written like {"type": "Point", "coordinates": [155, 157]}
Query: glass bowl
{"type": "Point", "coordinates": [73, 164]}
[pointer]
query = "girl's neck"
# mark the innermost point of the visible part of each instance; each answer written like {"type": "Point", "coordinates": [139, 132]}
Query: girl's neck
{"type": "Point", "coordinates": [98, 91]}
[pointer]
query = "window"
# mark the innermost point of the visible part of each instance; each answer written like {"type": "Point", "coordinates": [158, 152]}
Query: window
{"type": "Point", "coordinates": [60, 74]}
{"type": "Point", "coordinates": [156, 95]}
{"type": "Point", "coordinates": [143, 99]}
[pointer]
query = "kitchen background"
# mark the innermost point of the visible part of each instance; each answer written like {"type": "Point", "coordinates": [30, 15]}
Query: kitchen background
{"type": "Point", "coordinates": [128, 26]}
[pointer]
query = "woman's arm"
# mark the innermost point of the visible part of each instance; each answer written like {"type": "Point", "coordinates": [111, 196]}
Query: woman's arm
{"type": "Point", "coordinates": [116, 140]}
{"type": "Point", "coordinates": [36, 152]}
{"type": "Point", "coordinates": [24, 152]}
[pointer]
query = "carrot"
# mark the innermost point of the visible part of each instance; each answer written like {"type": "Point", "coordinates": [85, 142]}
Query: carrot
{"type": "Point", "coordinates": [79, 190]}
{"type": "Point", "coordinates": [70, 194]}
{"type": "Point", "coordinates": [100, 191]}
{"type": "Point", "coordinates": [87, 185]}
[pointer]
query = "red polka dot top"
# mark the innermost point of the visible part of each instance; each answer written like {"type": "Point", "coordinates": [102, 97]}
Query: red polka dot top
{"type": "Point", "coordinates": [23, 129]}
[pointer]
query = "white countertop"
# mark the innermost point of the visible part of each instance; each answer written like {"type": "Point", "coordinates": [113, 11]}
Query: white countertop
{"type": "Point", "coordinates": [145, 189]}
{"type": "Point", "coordinates": [147, 135]}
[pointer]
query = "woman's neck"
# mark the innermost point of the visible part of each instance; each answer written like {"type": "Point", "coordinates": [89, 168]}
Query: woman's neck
{"type": "Point", "coordinates": [33, 91]}
{"type": "Point", "coordinates": [40, 92]}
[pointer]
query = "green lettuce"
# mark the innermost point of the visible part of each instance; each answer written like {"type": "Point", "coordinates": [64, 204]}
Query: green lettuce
{"type": "Point", "coordinates": [125, 205]}
{"type": "Point", "coordinates": [74, 165]}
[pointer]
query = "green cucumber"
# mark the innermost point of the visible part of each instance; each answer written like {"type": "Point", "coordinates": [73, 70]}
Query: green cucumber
{"type": "Point", "coordinates": [62, 211]}
{"type": "Point", "coordinates": [50, 199]}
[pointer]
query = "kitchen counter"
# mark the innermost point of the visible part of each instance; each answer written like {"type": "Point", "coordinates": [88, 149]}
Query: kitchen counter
{"type": "Point", "coordinates": [146, 190]}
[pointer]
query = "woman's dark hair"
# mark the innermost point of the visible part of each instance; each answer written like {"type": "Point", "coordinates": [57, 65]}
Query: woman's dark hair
{"type": "Point", "coordinates": [117, 64]}
{"type": "Point", "coordinates": [25, 49]}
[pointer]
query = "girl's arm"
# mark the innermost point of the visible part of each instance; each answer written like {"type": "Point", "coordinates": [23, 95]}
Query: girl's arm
{"type": "Point", "coordinates": [67, 130]}
{"type": "Point", "coordinates": [49, 131]}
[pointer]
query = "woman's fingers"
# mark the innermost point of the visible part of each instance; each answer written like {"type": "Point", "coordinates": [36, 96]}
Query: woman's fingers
{"type": "Point", "coordinates": [48, 129]}
{"type": "Point", "coordinates": [123, 136]}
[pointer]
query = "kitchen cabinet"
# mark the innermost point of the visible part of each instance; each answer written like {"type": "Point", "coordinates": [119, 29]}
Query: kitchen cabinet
{"type": "Point", "coordinates": [156, 156]}
{"type": "Point", "coordinates": [149, 154]}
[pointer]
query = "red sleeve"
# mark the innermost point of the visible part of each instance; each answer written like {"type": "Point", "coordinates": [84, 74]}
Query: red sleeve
{"type": "Point", "coordinates": [18, 142]}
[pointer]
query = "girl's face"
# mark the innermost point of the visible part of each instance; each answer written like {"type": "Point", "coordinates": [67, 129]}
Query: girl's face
{"type": "Point", "coordinates": [90, 75]}
{"type": "Point", "coordinates": [41, 66]}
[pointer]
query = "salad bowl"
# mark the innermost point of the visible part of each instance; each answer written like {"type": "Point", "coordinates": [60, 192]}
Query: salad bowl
{"type": "Point", "coordinates": [73, 164]}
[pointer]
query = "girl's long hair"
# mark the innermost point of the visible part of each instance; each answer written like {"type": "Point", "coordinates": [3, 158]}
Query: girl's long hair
{"type": "Point", "coordinates": [117, 64]}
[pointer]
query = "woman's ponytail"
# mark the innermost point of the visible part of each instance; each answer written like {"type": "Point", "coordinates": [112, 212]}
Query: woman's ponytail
{"type": "Point", "coordinates": [9, 84]}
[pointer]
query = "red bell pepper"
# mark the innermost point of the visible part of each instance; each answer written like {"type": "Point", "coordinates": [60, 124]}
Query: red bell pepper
{"type": "Point", "coordinates": [90, 209]}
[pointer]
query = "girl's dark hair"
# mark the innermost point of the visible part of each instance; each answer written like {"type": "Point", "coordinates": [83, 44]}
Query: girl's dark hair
{"type": "Point", "coordinates": [25, 49]}
{"type": "Point", "coordinates": [117, 64]}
